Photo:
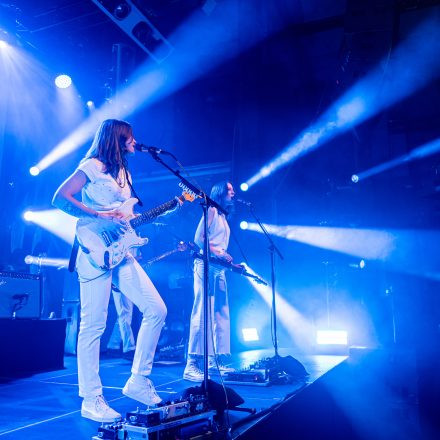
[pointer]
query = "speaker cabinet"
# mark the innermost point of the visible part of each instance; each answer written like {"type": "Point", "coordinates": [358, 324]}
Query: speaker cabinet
{"type": "Point", "coordinates": [20, 295]}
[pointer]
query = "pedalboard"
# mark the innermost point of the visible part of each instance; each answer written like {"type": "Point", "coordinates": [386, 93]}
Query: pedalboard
{"type": "Point", "coordinates": [183, 419]}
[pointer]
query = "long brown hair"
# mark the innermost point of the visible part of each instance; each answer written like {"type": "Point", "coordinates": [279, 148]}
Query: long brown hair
{"type": "Point", "coordinates": [108, 145]}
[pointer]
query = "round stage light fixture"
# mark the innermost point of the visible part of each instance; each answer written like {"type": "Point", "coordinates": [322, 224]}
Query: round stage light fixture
{"type": "Point", "coordinates": [63, 81]}
{"type": "Point", "coordinates": [244, 225]}
{"type": "Point", "coordinates": [244, 186]}
{"type": "Point", "coordinates": [355, 178]}
{"type": "Point", "coordinates": [122, 11]}
{"type": "Point", "coordinates": [34, 171]}
{"type": "Point", "coordinates": [28, 215]}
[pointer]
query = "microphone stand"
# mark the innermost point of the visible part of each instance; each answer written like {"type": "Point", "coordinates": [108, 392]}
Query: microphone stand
{"type": "Point", "coordinates": [206, 203]}
{"type": "Point", "coordinates": [272, 249]}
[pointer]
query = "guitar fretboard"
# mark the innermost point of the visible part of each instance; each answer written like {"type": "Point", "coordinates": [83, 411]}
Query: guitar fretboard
{"type": "Point", "coordinates": [152, 214]}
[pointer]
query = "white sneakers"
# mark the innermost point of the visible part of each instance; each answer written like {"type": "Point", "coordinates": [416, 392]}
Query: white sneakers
{"type": "Point", "coordinates": [141, 388]}
{"type": "Point", "coordinates": [218, 367]}
{"type": "Point", "coordinates": [97, 409]}
{"type": "Point", "coordinates": [192, 372]}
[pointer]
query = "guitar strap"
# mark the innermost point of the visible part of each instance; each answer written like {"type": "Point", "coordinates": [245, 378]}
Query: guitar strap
{"type": "Point", "coordinates": [133, 192]}
{"type": "Point", "coordinates": [73, 255]}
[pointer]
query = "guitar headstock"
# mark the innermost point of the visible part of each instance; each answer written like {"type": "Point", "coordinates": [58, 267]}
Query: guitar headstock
{"type": "Point", "coordinates": [188, 197]}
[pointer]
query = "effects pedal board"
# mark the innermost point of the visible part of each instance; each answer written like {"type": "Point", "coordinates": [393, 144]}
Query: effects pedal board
{"type": "Point", "coordinates": [261, 373]}
{"type": "Point", "coordinates": [183, 419]}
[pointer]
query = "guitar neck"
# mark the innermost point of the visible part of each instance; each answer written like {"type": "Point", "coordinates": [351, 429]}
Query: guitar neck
{"type": "Point", "coordinates": [152, 214]}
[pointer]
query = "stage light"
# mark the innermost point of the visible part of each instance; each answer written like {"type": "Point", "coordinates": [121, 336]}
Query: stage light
{"type": "Point", "coordinates": [355, 178]}
{"type": "Point", "coordinates": [332, 337]}
{"type": "Point", "coordinates": [63, 81]}
{"type": "Point", "coordinates": [250, 334]}
{"type": "Point", "coordinates": [244, 186]}
{"type": "Point", "coordinates": [3, 44]}
{"type": "Point", "coordinates": [122, 11]}
{"type": "Point", "coordinates": [244, 225]}
{"type": "Point", "coordinates": [41, 260]}
{"type": "Point", "coordinates": [34, 171]}
{"type": "Point", "coordinates": [361, 264]}
{"type": "Point", "coordinates": [90, 104]}
{"type": "Point", "coordinates": [28, 215]}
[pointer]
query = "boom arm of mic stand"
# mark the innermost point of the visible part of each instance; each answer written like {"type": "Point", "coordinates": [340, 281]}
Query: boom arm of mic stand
{"type": "Point", "coordinates": [272, 244]}
{"type": "Point", "coordinates": [197, 191]}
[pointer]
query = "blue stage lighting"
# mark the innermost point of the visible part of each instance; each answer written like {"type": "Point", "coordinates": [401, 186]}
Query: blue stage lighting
{"type": "Point", "coordinates": [90, 104]}
{"type": "Point", "coordinates": [63, 81]}
{"type": "Point", "coordinates": [3, 44]}
{"type": "Point", "coordinates": [361, 264]}
{"type": "Point", "coordinates": [244, 225]}
{"type": "Point", "coordinates": [250, 334]}
{"type": "Point", "coordinates": [362, 101]}
{"type": "Point", "coordinates": [34, 171]}
{"type": "Point", "coordinates": [355, 178]}
{"type": "Point", "coordinates": [244, 186]}
{"type": "Point", "coordinates": [331, 337]}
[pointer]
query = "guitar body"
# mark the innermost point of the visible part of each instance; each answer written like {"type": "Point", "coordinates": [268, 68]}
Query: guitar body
{"type": "Point", "coordinates": [106, 250]}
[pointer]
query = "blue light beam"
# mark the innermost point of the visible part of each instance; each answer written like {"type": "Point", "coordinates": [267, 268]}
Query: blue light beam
{"type": "Point", "coordinates": [412, 65]}
{"type": "Point", "coordinates": [416, 154]}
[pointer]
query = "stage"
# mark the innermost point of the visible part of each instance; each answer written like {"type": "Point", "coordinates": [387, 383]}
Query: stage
{"type": "Point", "coordinates": [369, 392]}
{"type": "Point", "coordinates": [47, 405]}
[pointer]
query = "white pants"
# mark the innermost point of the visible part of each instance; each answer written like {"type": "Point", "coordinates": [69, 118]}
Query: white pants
{"type": "Point", "coordinates": [122, 329]}
{"type": "Point", "coordinates": [219, 326]}
{"type": "Point", "coordinates": [95, 286]}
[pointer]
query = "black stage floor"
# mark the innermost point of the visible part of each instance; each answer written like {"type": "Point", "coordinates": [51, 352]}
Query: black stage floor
{"type": "Point", "coordinates": [46, 405]}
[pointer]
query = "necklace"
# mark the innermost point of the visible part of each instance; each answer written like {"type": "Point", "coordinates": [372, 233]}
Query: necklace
{"type": "Point", "coordinates": [121, 181]}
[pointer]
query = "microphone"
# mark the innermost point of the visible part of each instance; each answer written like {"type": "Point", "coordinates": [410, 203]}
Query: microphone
{"type": "Point", "coordinates": [243, 202]}
{"type": "Point", "coordinates": [149, 149]}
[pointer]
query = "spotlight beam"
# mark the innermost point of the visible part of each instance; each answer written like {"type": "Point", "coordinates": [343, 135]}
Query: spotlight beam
{"type": "Point", "coordinates": [416, 154]}
{"type": "Point", "coordinates": [413, 65]}
{"type": "Point", "coordinates": [199, 47]}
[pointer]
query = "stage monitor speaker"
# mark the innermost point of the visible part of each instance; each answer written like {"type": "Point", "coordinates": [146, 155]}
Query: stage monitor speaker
{"type": "Point", "coordinates": [20, 295]}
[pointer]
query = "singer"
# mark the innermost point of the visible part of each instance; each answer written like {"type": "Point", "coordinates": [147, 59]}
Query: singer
{"type": "Point", "coordinates": [218, 321]}
{"type": "Point", "coordinates": [104, 181]}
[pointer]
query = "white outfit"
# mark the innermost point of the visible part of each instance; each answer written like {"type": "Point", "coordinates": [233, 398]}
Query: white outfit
{"type": "Point", "coordinates": [102, 192]}
{"type": "Point", "coordinates": [219, 326]}
{"type": "Point", "coordinates": [122, 331]}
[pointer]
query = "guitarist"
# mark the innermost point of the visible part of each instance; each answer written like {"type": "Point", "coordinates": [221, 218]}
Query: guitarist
{"type": "Point", "coordinates": [104, 181]}
{"type": "Point", "coordinates": [218, 321]}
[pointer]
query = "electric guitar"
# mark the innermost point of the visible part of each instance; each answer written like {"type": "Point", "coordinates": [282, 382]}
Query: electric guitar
{"type": "Point", "coordinates": [105, 248]}
{"type": "Point", "coordinates": [237, 268]}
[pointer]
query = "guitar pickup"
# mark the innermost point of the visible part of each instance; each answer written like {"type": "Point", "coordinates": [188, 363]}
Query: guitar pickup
{"type": "Point", "coordinates": [106, 238]}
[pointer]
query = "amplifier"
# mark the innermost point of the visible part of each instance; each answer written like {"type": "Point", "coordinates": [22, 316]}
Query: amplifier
{"type": "Point", "coordinates": [20, 295]}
